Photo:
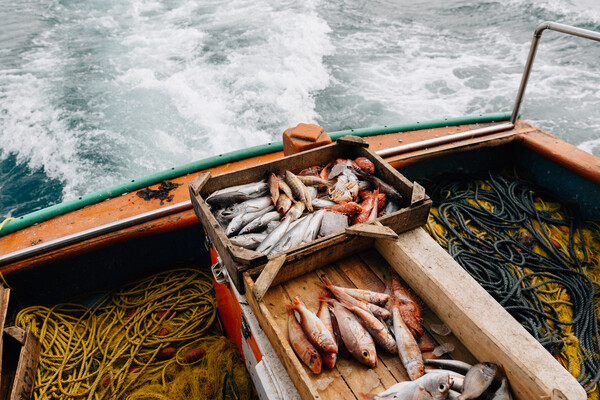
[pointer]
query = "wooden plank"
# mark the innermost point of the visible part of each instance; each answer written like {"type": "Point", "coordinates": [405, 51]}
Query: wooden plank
{"type": "Point", "coordinates": [26, 369]}
{"type": "Point", "coordinates": [4, 297]}
{"type": "Point", "coordinates": [353, 141]}
{"type": "Point", "coordinates": [479, 322]}
{"type": "Point", "coordinates": [198, 183]}
{"type": "Point", "coordinates": [373, 231]}
{"type": "Point", "coordinates": [280, 344]}
{"type": "Point", "coordinates": [380, 267]}
{"type": "Point", "coordinates": [266, 277]}
{"type": "Point", "coordinates": [418, 194]}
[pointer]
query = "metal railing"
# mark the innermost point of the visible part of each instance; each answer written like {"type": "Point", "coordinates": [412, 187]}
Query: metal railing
{"type": "Point", "coordinates": [537, 35]}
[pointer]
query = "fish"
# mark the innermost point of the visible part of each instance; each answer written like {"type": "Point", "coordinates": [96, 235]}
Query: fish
{"type": "Point", "coordinates": [355, 337]}
{"type": "Point", "coordinates": [324, 174]}
{"type": "Point", "coordinates": [349, 208]}
{"type": "Point", "coordinates": [390, 207]}
{"type": "Point", "coordinates": [292, 237]}
{"type": "Point", "coordinates": [434, 386]}
{"type": "Point", "coordinates": [314, 192]}
{"type": "Point", "coordinates": [274, 187]}
{"type": "Point", "coordinates": [271, 226]}
{"type": "Point", "coordinates": [310, 171]}
{"type": "Point", "coordinates": [339, 168]}
{"type": "Point", "coordinates": [364, 185]}
{"type": "Point", "coordinates": [383, 187]}
{"type": "Point", "coordinates": [244, 219]}
{"type": "Point", "coordinates": [260, 222]}
{"type": "Point", "coordinates": [310, 180]}
{"type": "Point", "coordinates": [315, 330]}
{"type": "Point", "coordinates": [302, 347]}
{"type": "Point", "coordinates": [295, 210]}
{"type": "Point", "coordinates": [249, 241]}
{"type": "Point", "coordinates": [457, 379]}
{"type": "Point", "coordinates": [275, 235]}
{"type": "Point", "coordinates": [376, 328]}
{"type": "Point", "coordinates": [477, 380]}
{"type": "Point", "coordinates": [367, 295]}
{"type": "Point", "coordinates": [322, 203]}
{"type": "Point", "coordinates": [346, 298]}
{"type": "Point", "coordinates": [314, 226]}
{"type": "Point", "coordinates": [237, 194]}
{"type": "Point", "coordinates": [365, 164]}
{"type": "Point", "coordinates": [285, 188]}
{"type": "Point", "coordinates": [410, 308]}
{"type": "Point", "coordinates": [329, 359]}
{"type": "Point", "coordinates": [503, 392]}
{"type": "Point", "coordinates": [450, 364]}
{"type": "Point", "coordinates": [298, 190]}
{"type": "Point", "coordinates": [408, 349]}
{"type": "Point", "coordinates": [367, 207]}
{"type": "Point", "coordinates": [283, 203]}
{"type": "Point", "coordinates": [251, 205]}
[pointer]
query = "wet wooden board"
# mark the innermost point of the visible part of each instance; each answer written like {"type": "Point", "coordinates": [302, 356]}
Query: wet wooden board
{"type": "Point", "coordinates": [367, 270]}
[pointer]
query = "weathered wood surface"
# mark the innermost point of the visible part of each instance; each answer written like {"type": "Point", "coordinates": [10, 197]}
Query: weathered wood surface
{"type": "Point", "coordinates": [349, 378]}
{"type": "Point", "coordinates": [373, 231]}
{"type": "Point", "coordinates": [25, 373]}
{"type": "Point", "coordinates": [4, 298]}
{"type": "Point", "coordinates": [476, 319]}
{"type": "Point", "coordinates": [263, 283]}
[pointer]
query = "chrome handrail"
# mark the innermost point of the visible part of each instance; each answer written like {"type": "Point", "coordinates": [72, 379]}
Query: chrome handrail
{"type": "Point", "coordinates": [571, 30]}
{"type": "Point", "coordinates": [537, 35]}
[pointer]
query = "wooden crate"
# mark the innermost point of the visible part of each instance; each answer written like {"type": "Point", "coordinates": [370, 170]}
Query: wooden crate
{"type": "Point", "coordinates": [413, 211]}
{"type": "Point", "coordinates": [481, 329]}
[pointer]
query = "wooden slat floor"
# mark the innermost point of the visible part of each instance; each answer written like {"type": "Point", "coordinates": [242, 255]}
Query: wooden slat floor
{"type": "Point", "coordinates": [368, 270]}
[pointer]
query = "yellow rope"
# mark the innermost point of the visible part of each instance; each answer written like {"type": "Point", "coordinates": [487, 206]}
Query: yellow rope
{"type": "Point", "coordinates": [131, 344]}
{"type": "Point", "coordinates": [4, 222]}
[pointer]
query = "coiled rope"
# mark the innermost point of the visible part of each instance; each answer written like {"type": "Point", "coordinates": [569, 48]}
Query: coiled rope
{"type": "Point", "coordinates": [135, 342]}
{"type": "Point", "coordinates": [533, 254]}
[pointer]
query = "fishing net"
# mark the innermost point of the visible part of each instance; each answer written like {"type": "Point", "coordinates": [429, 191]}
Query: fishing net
{"type": "Point", "coordinates": [533, 254]}
{"type": "Point", "coordinates": [153, 339]}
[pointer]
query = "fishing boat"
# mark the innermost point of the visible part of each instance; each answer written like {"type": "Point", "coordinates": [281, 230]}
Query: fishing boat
{"type": "Point", "coordinates": [108, 238]}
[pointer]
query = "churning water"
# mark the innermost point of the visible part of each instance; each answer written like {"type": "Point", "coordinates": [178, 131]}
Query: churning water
{"type": "Point", "coordinates": [94, 93]}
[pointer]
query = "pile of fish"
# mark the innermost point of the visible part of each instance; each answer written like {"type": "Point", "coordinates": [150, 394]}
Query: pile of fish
{"type": "Point", "coordinates": [278, 213]}
{"type": "Point", "coordinates": [353, 322]}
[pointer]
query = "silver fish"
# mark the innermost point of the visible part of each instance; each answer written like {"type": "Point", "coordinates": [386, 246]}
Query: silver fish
{"type": "Point", "coordinates": [455, 365]}
{"type": "Point", "coordinates": [244, 219]}
{"type": "Point", "coordinates": [364, 185]}
{"type": "Point", "coordinates": [314, 192]}
{"type": "Point", "coordinates": [434, 386]}
{"type": "Point", "coordinates": [275, 235]}
{"type": "Point", "coordinates": [260, 222]}
{"type": "Point", "coordinates": [237, 194]}
{"type": "Point", "coordinates": [251, 205]}
{"type": "Point", "coordinates": [249, 241]}
{"type": "Point", "coordinates": [503, 392]}
{"type": "Point", "coordinates": [295, 210]}
{"type": "Point", "coordinates": [355, 337]}
{"type": "Point", "coordinates": [293, 237]}
{"type": "Point", "coordinates": [314, 226]}
{"type": "Point", "coordinates": [271, 226]}
{"type": "Point", "coordinates": [477, 380]}
{"type": "Point", "coordinates": [339, 169]}
{"type": "Point", "coordinates": [322, 203]}
{"type": "Point", "coordinates": [390, 207]}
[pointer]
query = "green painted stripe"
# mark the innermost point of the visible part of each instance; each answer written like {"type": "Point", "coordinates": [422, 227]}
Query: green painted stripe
{"type": "Point", "coordinates": [210, 162]}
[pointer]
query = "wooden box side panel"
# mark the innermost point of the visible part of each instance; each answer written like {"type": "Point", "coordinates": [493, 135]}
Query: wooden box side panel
{"type": "Point", "coordinates": [485, 328]}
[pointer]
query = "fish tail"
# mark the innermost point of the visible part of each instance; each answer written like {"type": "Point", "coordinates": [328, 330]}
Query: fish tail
{"type": "Point", "coordinates": [366, 396]}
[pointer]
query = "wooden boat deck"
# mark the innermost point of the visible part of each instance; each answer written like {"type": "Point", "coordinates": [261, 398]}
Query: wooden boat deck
{"type": "Point", "coordinates": [349, 378]}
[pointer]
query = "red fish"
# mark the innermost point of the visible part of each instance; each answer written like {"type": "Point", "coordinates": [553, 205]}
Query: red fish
{"type": "Point", "coordinates": [315, 330]}
{"type": "Point", "coordinates": [329, 359]}
{"type": "Point", "coordinates": [367, 208]}
{"type": "Point", "coordinates": [346, 298]}
{"type": "Point", "coordinates": [302, 347]}
{"type": "Point", "coordinates": [349, 208]}
{"type": "Point", "coordinates": [408, 349]}
{"type": "Point", "coordinates": [365, 164]}
{"type": "Point", "coordinates": [408, 306]}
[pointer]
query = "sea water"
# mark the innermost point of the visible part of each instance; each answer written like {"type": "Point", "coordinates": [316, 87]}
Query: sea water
{"type": "Point", "coordinates": [95, 93]}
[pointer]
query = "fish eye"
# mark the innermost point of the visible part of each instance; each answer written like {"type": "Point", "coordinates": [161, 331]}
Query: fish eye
{"type": "Point", "coordinates": [442, 387]}
{"type": "Point", "coordinates": [365, 354]}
